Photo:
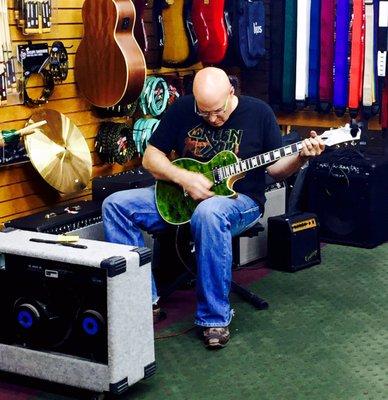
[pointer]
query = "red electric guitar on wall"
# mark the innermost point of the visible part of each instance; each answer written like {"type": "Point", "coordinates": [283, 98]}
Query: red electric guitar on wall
{"type": "Point", "coordinates": [210, 28]}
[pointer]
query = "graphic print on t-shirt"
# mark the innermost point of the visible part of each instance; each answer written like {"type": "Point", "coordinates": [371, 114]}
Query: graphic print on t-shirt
{"type": "Point", "coordinates": [205, 142]}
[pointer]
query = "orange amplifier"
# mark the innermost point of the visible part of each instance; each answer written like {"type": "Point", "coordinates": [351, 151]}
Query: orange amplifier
{"type": "Point", "coordinates": [293, 242]}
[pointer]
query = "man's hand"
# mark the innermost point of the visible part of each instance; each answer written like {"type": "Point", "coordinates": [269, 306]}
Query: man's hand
{"type": "Point", "coordinates": [196, 185]}
{"type": "Point", "coordinates": [312, 146]}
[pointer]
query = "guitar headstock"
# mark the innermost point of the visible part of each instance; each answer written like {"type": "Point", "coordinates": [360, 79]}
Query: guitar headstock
{"type": "Point", "coordinates": [342, 136]}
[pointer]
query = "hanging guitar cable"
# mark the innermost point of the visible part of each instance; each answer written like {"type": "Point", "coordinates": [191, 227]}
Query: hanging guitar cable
{"type": "Point", "coordinates": [114, 143]}
{"type": "Point", "coordinates": [154, 97]}
{"type": "Point", "coordinates": [142, 131]}
{"type": "Point", "coordinates": [175, 88]}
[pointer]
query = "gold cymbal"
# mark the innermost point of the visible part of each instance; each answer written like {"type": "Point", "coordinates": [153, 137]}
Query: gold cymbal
{"type": "Point", "coordinates": [59, 152]}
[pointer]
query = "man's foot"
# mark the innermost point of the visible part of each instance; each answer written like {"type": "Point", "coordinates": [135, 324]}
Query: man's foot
{"type": "Point", "coordinates": [216, 337]}
{"type": "Point", "coordinates": [158, 313]}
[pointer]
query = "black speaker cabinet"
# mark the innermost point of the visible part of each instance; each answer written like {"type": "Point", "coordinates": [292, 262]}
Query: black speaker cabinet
{"type": "Point", "coordinates": [293, 242]}
{"type": "Point", "coordinates": [348, 191]}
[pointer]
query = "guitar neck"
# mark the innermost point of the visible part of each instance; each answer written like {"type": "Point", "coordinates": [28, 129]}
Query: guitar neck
{"type": "Point", "coordinates": [258, 161]}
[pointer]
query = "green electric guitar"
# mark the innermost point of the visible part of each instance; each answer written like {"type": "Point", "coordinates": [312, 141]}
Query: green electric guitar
{"type": "Point", "coordinates": [176, 206]}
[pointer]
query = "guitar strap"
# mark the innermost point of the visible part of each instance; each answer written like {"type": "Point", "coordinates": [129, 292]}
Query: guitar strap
{"type": "Point", "coordinates": [368, 90]}
{"type": "Point", "coordinates": [382, 49]}
{"type": "Point", "coordinates": [384, 106]}
{"type": "Point", "coordinates": [356, 58]}
{"type": "Point", "coordinates": [341, 52]}
{"type": "Point", "coordinates": [375, 109]}
{"type": "Point", "coordinates": [276, 50]}
{"type": "Point", "coordinates": [302, 51]}
{"type": "Point", "coordinates": [289, 56]}
{"type": "Point", "coordinates": [327, 55]}
{"type": "Point", "coordinates": [314, 51]}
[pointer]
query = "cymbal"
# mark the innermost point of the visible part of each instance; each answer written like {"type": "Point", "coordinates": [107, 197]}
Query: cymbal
{"type": "Point", "coordinates": [59, 152]}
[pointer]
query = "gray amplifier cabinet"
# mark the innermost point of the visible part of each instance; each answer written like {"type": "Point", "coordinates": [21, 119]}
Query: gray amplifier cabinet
{"type": "Point", "coordinates": [96, 232]}
{"type": "Point", "coordinates": [129, 325]}
{"type": "Point", "coordinates": [255, 248]}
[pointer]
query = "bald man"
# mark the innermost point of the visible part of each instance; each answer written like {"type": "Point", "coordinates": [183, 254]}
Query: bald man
{"type": "Point", "coordinates": [199, 126]}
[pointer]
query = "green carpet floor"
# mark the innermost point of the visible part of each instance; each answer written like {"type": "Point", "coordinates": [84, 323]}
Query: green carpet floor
{"type": "Point", "coordinates": [325, 336]}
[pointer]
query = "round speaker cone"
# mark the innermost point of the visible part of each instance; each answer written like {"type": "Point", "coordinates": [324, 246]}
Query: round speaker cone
{"type": "Point", "coordinates": [92, 322]}
{"type": "Point", "coordinates": [27, 316]}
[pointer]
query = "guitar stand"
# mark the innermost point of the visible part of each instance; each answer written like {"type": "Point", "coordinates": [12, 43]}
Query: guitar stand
{"type": "Point", "coordinates": [241, 291]}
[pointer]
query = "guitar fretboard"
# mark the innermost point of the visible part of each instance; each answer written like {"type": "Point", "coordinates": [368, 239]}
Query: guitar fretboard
{"type": "Point", "coordinates": [257, 161]}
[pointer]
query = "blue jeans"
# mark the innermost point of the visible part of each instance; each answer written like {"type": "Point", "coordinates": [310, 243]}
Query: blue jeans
{"type": "Point", "coordinates": [214, 222]}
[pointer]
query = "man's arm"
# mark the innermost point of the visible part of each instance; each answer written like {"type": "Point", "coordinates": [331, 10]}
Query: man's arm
{"type": "Point", "coordinates": [286, 166]}
{"type": "Point", "coordinates": [195, 184]}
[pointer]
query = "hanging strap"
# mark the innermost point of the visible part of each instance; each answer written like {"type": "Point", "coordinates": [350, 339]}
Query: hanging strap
{"type": "Point", "coordinates": [288, 94]}
{"type": "Point", "coordinates": [382, 49]}
{"type": "Point", "coordinates": [302, 51]}
{"type": "Point", "coordinates": [384, 106]}
{"type": "Point", "coordinates": [276, 52]}
{"type": "Point", "coordinates": [327, 55]}
{"type": "Point", "coordinates": [314, 51]}
{"type": "Point", "coordinates": [356, 58]}
{"type": "Point", "coordinates": [341, 65]}
{"type": "Point", "coordinates": [368, 88]}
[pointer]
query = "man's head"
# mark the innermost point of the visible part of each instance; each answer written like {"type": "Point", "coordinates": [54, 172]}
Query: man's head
{"type": "Point", "coordinates": [213, 93]}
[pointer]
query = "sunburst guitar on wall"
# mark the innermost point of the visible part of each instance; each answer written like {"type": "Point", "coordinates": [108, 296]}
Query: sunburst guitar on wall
{"type": "Point", "coordinates": [149, 31]}
{"type": "Point", "coordinates": [210, 28]}
{"type": "Point", "coordinates": [179, 36]}
{"type": "Point", "coordinates": [110, 67]}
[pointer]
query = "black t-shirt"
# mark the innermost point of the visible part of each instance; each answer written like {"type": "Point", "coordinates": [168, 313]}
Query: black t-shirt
{"type": "Point", "coordinates": [250, 130]}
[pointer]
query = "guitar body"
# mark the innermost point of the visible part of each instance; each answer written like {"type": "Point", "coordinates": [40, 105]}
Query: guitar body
{"type": "Point", "coordinates": [110, 67]}
{"type": "Point", "coordinates": [138, 31]}
{"type": "Point", "coordinates": [152, 32]}
{"type": "Point", "coordinates": [176, 42]}
{"type": "Point", "coordinates": [177, 208]}
{"type": "Point", "coordinates": [210, 27]}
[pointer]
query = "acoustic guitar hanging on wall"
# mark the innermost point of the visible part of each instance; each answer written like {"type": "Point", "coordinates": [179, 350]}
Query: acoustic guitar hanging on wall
{"type": "Point", "coordinates": [110, 67]}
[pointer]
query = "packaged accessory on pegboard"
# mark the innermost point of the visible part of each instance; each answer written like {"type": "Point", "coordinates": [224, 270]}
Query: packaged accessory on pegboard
{"type": "Point", "coordinates": [10, 70]}
{"type": "Point", "coordinates": [35, 17]}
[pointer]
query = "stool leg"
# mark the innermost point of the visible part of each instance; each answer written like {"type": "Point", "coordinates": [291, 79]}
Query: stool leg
{"type": "Point", "coordinates": [176, 284]}
{"type": "Point", "coordinates": [249, 296]}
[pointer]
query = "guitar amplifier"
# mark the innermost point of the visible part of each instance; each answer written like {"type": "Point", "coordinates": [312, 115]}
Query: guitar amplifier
{"type": "Point", "coordinates": [83, 219]}
{"type": "Point", "coordinates": [80, 316]}
{"type": "Point", "coordinates": [248, 250]}
{"type": "Point", "coordinates": [348, 191]}
{"type": "Point", "coordinates": [293, 242]}
{"type": "Point", "coordinates": [103, 186]}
